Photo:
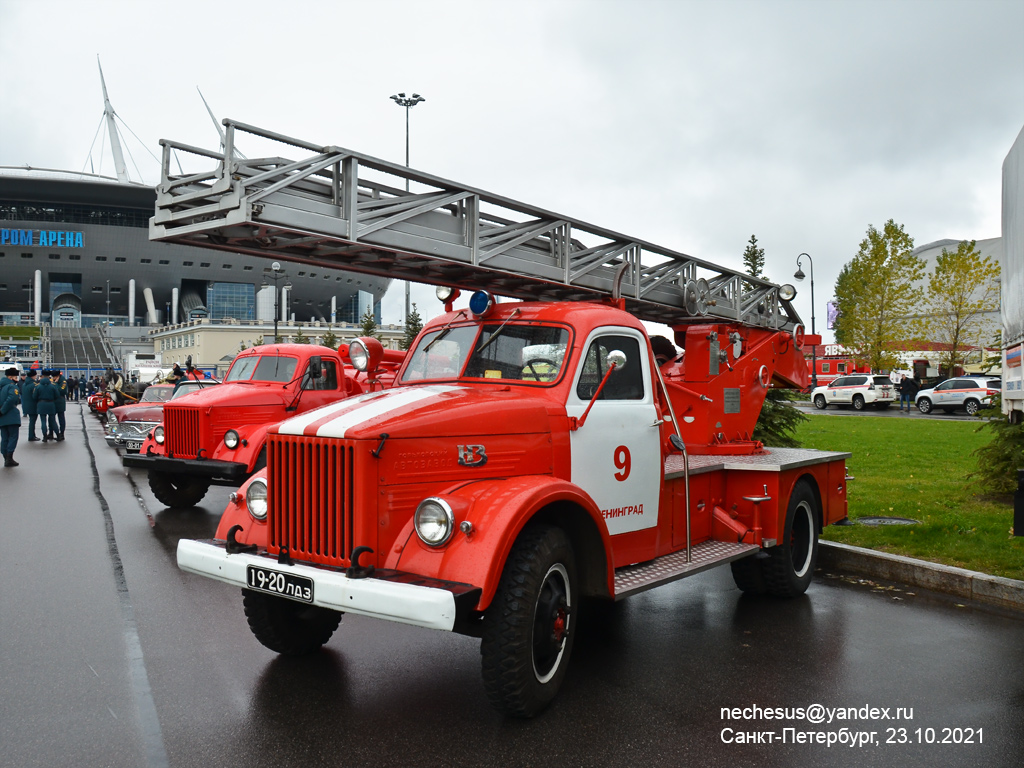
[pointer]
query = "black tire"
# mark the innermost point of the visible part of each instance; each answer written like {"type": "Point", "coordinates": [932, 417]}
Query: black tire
{"type": "Point", "coordinates": [288, 627]}
{"type": "Point", "coordinates": [177, 490]}
{"type": "Point", "coordinates": [528, 628]}
{"type": "Point", "coordinates": [858, 402]}
{"type": "Point", "coordinates": [924, 405]}
{"type": "Point", "coordinates": [749, 576]}
{"type": "Point", "coordinates": [972, 406]}
{"type": "Point", "coordinates": [820, 403]}
{"type": "Point", "coordinates": [790, 565]}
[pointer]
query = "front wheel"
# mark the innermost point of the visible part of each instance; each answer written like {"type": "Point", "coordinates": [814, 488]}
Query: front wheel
{"type": "Point", "coordinates": [528, 628]}
{"type": "Point", "coordinates": [819, 402]}
{"type": "Point", "coordinates": [858, 403]}
{"type": "Point", "coordinates": [287, 627]}
{"type": "Point", "coordinates": [177, 490]}
{"type": "Point", "coordinates": [924, 405]}
{"type": "Point", "coordinates": [790, 565]}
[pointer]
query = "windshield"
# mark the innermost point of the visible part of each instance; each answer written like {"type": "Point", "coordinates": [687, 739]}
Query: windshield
{"type": "Point", "coordinates": [509, 352]}
{"type": "Point", "coordinates": [187, 388]}
{"type": "Point", "coordinates": [262, 368]}
{"type": "Point", "coordinates": [157, 394]}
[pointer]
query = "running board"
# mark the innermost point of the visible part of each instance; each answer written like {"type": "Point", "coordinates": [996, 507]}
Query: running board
{"type": "Point", "coordinates": [631, 579]}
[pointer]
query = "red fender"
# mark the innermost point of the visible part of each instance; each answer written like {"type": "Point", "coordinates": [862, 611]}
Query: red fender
{"type": "Point", "coordinates": [237, 513]}
{"type": "Point", "coordinates": [498, 510]}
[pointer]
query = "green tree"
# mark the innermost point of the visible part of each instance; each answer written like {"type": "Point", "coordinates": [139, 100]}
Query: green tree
{"type": "Point", "coordinates": [778, 420]}
{"type": "Point", "coordinates": [413, 326]}
{"type": "Point", "coordinates": [994, 361]}
{"type": "Point", "coordinates": [876, 296]}
{"type": "Point", "coordinates": [368, 324]}
{"type": "Point", "coordinates": [753, 259]}
{"type": "Point", "coordinates": [300, 337]}
{"type": "Point", "coordinates": [259, 342]}
{"type": "Point", "coordinates": [962, 295]}
{"type": "Point", "coordinates": [329, 339]}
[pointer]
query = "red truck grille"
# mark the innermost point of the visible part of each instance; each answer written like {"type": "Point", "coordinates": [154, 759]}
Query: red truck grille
{"type": "Point", "coordinates": [181, 427]}
{"type": "Point", "coordinates": [310, 485]}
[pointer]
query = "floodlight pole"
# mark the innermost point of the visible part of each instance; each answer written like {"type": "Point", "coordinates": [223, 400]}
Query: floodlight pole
{"type": "Point", "coordinates": [276, 275]}
{"type": "Point", "coordinates": [799, 275]}
{"type": "Point", "coordinates": [408, 102]}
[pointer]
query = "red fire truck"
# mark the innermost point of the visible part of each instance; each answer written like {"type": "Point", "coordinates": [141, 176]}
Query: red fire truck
{"type": "Point", "coordinates": [218, 435]}
{"type": "Point", "coordinates": [531, 453]}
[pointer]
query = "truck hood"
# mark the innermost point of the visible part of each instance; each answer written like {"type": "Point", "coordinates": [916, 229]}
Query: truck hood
{"type": "Point", "coordinates": [428, 410]}
{"type": "Point", "coordinates": [235, 395]}
{"type": "Point", "coordinates": [140, 412]}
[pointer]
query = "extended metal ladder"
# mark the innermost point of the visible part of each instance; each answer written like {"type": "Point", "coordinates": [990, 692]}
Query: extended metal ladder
{"type": "Point", "coordinates": [339, 208]}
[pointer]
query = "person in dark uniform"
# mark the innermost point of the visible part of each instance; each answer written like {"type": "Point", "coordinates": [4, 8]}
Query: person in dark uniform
{"type": "Point", "coordinates": [10, 416]}
{"type": "Point", "coordinates": [62, 401]}
{"type": "Point", "coordinates": [81, 387]}
{"type": "Point", "coordinates": [28, 404]}
{"type": "Point", "coordinates": [46, 395]}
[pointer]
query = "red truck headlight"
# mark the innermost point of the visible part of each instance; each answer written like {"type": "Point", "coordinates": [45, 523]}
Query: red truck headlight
{"type": "Point", "coordinates": [256, 498]}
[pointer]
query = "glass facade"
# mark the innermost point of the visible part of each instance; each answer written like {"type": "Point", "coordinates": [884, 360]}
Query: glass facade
{"type": "Point", "coordinates": [231, 300]}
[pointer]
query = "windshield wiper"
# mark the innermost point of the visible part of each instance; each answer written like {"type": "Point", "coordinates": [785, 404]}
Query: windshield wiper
{"type": "Point", "coordinates": [497, 332]}
{"type": "Point", "coordinates": [444, 331]}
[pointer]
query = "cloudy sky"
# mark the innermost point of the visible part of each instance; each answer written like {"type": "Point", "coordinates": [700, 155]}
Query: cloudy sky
{"type": "Point", "coordinates": [691, 124]}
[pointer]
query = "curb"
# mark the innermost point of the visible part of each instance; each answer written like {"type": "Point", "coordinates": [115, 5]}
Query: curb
{"type": "Point", "coordinates": [968, 585]}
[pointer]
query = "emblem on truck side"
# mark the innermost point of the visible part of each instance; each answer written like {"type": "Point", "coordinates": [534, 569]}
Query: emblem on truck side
{"type": "Point", "coordinates": [472, 455]}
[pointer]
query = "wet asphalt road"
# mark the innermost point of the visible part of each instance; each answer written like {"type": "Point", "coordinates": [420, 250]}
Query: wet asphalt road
{"type": "Point", "coordinates": [892, 411]}
{"type": "Point", "coordinates": [111, 656]}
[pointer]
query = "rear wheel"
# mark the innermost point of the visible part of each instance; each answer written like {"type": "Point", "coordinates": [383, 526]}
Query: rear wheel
{"type": "Point", "coordinates": [528, 629]}
{"type": "Point", "coordinates": [177, 490]}
{"type": "Point", "coordinates": [858, 402]}
{"type": "Point", "coordinates": [287, 627]}
{"type": "Point", "coordinates": [972, 406]}
{"type": "Point", "coordinates": [790, 565]}
{"type": "Point", "coordinates": [819, 402]}
{"type": "Point", "coordinates": [924, 405]}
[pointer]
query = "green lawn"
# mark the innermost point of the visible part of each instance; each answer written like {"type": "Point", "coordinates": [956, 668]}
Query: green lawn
{"type": "Point", "coordinates": [20, 332]}
{"type": "Point", "coordinates": [918, 468]}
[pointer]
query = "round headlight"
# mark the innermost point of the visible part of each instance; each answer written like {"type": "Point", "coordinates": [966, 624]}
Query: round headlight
{"type": "Point", "coordinates": [787, 292]}
{"type": "Point", "coordinates": [158, 435]}
{"type": "Point", "coordinates": [434, 522]}
{"type": "Point", "coordinates": [444, 292]}
{"type": "Point", "coordinates": [231, 439]}
{"type": "Point", "coordinates": [358, 355]}
{"type": "Point", "coordinates": [112, 427]}
{"type": "Point", "coordinates": [481, 303]}
{"type": "Point", "coordinates": [256, 498]}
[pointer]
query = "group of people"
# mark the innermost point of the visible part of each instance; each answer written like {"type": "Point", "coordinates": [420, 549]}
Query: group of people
{"type": "Point", "coordinates": [43, 396]}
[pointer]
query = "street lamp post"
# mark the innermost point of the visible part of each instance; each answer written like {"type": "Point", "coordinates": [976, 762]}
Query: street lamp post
{"type": "Point", "coordinates": [276, 275]}
{"type": "Point", "coordinates": [108, 307]}
{"type": "Point", "coordinates": [799, 275]}
{"type": "Point", "coordinates": [408, 102]}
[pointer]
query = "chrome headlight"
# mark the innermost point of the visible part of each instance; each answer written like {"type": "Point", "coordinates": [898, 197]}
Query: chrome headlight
{"type": "Point", "coordinates": [358, 355]}
{"type": "Point", "coordinates": [158, 435]}
{"type": "Point", "coordinates": [112, 427]}
{"type": "Point", "coordinates": [231, 439]}
{"type": "Point", "coordinates": [256, 498]}
{"type": "Point", "coordinates": [434, 521]}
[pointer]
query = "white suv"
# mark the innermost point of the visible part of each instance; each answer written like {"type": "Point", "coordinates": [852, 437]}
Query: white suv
{"type": "Point", "coordinates": [858, 390]}
{"type": "Point", "coordinates": [971, 393]}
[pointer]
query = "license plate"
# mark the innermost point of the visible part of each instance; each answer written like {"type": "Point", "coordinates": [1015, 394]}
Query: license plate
{"type": "Point", "coordinates": [282, 584]}
{"type": "Point", "coordinates": [133, 445]}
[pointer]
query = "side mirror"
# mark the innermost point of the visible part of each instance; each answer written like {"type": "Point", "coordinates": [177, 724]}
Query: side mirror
{"type": "Point", "coordinates": [315, 367]}
{"type": "Point", "coordinates": [618, 357]}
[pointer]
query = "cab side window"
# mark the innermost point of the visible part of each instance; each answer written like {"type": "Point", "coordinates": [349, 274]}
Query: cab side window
{"type": "Point", "coordinates": [626, 383]}
{"type": "Point", "coordinates": [328, 377]}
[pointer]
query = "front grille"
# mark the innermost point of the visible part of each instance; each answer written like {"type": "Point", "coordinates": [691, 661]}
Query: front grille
{"type": "Point", "coordinates": [181, 428]}
{"type": "Point", "coordinates": [310, 481]}
{"type": "Point", "coordinates": [135, 430]}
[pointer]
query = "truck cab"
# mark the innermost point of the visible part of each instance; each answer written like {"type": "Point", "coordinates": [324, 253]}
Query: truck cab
{"type": "Point", "coordinates": [528, 455]}
{"type": "Point", "coordinates": [218, 434]}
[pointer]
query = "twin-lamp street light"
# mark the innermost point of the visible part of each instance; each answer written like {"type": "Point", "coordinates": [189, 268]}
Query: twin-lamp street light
{"type": "Point", "coordinates": [799, 275]}
{"type": "Point", "coordinates": [276, 275]}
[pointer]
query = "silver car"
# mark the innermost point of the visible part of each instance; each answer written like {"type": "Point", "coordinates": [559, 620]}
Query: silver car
{"type": "Point", "coordinates": [968, 393]}
{"type": "Point", "coordinates": [859, 390]}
